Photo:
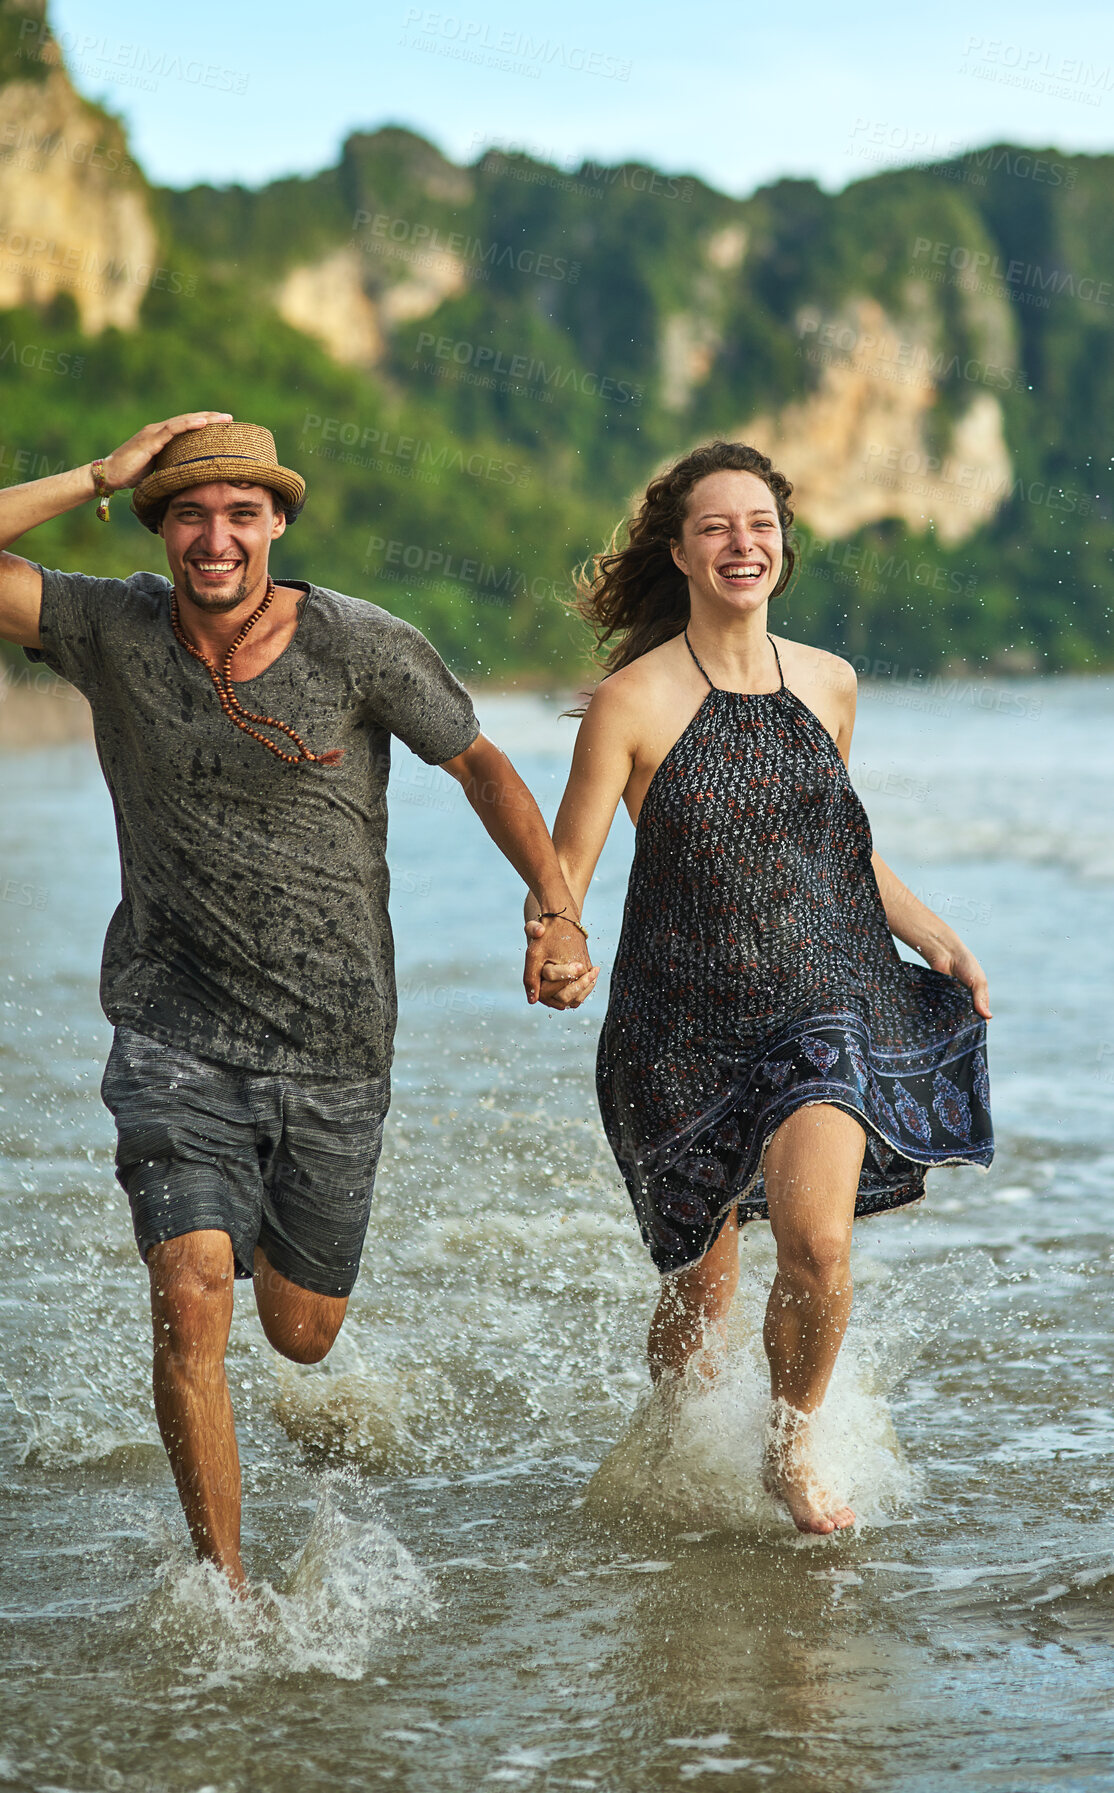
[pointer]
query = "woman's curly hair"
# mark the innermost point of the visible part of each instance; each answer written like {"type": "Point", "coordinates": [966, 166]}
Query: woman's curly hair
{"type": "Point", "coordinates": [635, 598]}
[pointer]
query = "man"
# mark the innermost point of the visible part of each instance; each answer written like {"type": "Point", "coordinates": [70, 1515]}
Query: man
{"type": "Point", "coordinates": [244, 731]}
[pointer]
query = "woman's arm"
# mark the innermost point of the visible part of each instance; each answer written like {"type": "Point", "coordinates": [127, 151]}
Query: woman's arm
{"type": "Point", "coordinates": [906, 916]}
{"type": "Point", "coordinates": [602, 762]}
{"type": "Point", "coordinates": [923, 930]}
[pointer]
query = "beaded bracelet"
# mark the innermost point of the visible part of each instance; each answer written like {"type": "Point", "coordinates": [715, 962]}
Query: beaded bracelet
{"type": "Point", "coordinates": [103, 490]}
{"type": "Point", "coordinates": [561, 915]}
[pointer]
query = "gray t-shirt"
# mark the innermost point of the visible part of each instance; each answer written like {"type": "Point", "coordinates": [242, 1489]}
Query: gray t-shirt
{"type": "Point", "coordinates": [253, 924]}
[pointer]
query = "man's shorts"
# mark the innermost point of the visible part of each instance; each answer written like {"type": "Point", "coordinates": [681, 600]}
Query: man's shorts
{"type": "Point", "coordinates": [287, 1164]}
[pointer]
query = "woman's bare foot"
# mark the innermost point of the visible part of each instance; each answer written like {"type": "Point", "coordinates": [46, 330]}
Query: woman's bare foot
{"type": "Point", "coordinates": [788, 1475]}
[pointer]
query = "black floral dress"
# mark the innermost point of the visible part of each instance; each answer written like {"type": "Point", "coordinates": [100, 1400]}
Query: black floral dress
{"type": "Point", "coordinates": [756, 973]}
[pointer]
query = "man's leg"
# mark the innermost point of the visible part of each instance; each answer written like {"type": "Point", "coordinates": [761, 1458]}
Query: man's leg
{"type": "Point", "coordinates": [318, 1177]}
{"type": "Point", "coordinates": [191, 1307]}
{"type": "Point", "coordinates": [186, 1157]}
{"type": "Point", "coordinates": [298, 1323]}
{"type": "Point", "coordinates": [192, 1281]}
{"type": "Point", "coordinates": [811, 1175]}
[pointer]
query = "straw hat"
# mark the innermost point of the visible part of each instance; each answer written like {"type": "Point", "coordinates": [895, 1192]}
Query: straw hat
{"type": "Point", "coordinates": [241, 452]}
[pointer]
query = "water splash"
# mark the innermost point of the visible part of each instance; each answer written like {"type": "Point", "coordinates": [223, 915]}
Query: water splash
{"type": "Point", "coordinates": [342, 1408]}
{"type": "Point", "coordinates": [691, 1458]}
{"type": "Point", "coordinates": [352, 1585]}
{"type": "Point", "coordinates": [69, 1419]}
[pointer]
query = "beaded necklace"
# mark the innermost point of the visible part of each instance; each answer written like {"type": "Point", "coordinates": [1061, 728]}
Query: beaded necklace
{"type": "Point", "coordinates": [230, 703]}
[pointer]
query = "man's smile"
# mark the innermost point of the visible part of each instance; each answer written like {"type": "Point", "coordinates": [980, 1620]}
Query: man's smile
{"type": "Point", "coordinates": [214, 569]}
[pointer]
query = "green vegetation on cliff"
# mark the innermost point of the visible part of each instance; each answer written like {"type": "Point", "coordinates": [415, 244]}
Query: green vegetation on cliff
{"type": "Point", "coordinates": [587, 327]}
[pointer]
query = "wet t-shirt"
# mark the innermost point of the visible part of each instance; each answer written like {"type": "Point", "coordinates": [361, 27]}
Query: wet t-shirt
{"type": "Point", "coordinates": [252, 926]}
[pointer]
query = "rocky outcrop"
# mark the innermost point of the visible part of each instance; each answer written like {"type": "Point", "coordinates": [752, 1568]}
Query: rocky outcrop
{"type": "Point", "coordinates": [726, 248]}
{"type": "Point", "coordinates": [326, 299]}
{"type": "Point", "coordinates": [863, 446]}
{"type": "Point", "coordinates": [407, 253]}
{"type": "Point", "coordinates": [74, 216]}
{"type": "Point", "coordinates": [689, 344]}
{"type": "Point", "coordinates": [691, 340]}
{"type": "Point", "coordinates": [352, 299]}
{"type": "Point", "coordinates": [887, 427]}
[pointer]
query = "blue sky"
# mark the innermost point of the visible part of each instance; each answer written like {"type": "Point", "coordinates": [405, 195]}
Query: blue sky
{"type": "Point", "coordinates": [739, 95]}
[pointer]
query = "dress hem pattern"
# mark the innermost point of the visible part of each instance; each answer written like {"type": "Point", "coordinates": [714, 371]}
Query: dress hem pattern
{"type": "Point", "coordinates": [916, 1117]}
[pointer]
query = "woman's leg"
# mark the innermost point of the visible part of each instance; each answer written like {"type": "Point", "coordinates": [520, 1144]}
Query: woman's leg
{"type": "Point", "coordinates": [811, 1174]}
{"type": "Point", "coordinates": [694, 1302]}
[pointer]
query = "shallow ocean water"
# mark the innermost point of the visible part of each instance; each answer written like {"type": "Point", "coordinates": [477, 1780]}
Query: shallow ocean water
{"type": "Point", "coordinates": [482, 1554]}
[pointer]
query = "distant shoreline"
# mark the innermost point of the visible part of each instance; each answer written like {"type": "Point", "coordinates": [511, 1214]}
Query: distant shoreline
{"type": "Point", "coordinates": [43, 711]}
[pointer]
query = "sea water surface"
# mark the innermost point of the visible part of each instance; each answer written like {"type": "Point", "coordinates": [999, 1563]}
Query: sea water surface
{"type": "Point", "coordinates": [481, 1556]}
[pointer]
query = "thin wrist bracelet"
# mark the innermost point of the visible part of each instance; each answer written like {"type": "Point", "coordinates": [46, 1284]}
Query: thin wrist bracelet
{"type": "Point", "coordinates": [103, 490]}
{"type": "Point", "coordinates": [561, 915]}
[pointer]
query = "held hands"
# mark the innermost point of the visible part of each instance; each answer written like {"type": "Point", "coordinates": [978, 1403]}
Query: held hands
{"type": "Point", "coordinates": [126, 465]}
{"type": "Point", "coordinates": [559, 972]}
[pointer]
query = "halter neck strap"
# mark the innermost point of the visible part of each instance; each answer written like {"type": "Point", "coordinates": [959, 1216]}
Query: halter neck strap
{"type": "Point", "coordinates": [711, 687]}
{"type": "Point", "coordinates": [692, 651]}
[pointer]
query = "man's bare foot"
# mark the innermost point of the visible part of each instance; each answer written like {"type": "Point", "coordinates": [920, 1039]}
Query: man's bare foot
{"type": "Point", "coordinates": [233, 1571]}
{"type": "Point", "coordinates": [238, 1582]}
{"type": "Point", "coordinates": [787, 1474]}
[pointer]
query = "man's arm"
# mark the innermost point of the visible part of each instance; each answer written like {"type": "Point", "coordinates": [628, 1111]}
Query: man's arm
{"type": "Point", "coordinates": [515, 824]}
{"type": "Point", "coordinates": [23, 508]}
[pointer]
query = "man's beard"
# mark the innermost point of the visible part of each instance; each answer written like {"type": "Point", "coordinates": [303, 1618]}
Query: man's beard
{"type": "Point", "coordinates": [216, 606]}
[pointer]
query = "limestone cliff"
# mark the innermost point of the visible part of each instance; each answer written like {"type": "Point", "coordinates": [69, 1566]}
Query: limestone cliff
{"type": "Point", "coordinates": [408, 248]}
{"type": "Point", "coordinates": [865, 445]}
{"type": "Point", "coordinates": [351, 301]}
{"type": "Point", "coordinates": [74, 216]}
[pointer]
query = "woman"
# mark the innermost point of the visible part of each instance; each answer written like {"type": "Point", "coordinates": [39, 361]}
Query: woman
{"type": "Point", "coordinates": [766, 1052]}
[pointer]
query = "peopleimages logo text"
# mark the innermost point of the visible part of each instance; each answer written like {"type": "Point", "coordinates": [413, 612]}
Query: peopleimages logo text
{"type": "Point", "coordinates": [40, 41]}
{"type": "Point", "coordinates": [475, 36]}
{"type": "Point", "coordinates": [1017, 274]}
{"type": "Point", "coordinates": [485, 359]}
{"type": "Point", "coordinates": [411, 237]}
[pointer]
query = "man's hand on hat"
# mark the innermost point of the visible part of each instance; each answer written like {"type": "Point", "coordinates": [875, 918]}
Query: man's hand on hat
{"type": "Point", "coordinates": [126, 465]}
